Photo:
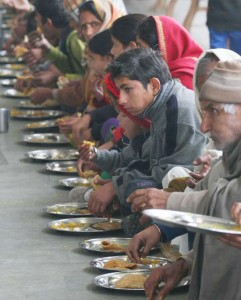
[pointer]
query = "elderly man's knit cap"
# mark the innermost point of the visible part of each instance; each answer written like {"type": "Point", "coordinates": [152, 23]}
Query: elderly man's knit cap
{"type": "Point", "coordinates": [224, 84]}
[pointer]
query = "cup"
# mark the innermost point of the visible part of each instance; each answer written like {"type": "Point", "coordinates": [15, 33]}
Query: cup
{"type": "Point", "coordinates": [4, 120]}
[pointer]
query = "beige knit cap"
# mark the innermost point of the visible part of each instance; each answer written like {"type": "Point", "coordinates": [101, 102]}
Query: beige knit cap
{"type": "Point", "coordinates": [224, 84]}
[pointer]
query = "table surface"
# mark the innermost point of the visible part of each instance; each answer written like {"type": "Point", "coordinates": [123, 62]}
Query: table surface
{"type": "Point", "coordinates": [37, 263]}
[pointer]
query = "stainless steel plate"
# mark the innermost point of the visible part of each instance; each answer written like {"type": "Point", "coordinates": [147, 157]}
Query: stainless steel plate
{"type": "Point", "coordinates": [12, 93]}
{"type": "Point", "coordinates": [108, 280]}
{"type": "Point", "coordinates": [10, 60]}
{"type": "Point", "coordinates": [54, 154]}
{"type": "Point", "coordinates": [194, 222]}
{"type": "Point", "coordinates": [69, 167]}
{"type": "Point", "coordinates": [15, 66]}
{"type": "Point", "coordinates": [96, 245]}
{"type": "Point", "coordinates": [68, 209]}
{"type": "Point", "coordinates": [41, 125]}
{"type": "Point", "coordinates": [8, 82]}
{"type": "Point", "coordinates": [8, 73]}
{"type": "Point", "coordinates": [46, 105]}
{"type": "Point", "coordinates": [75, 182]}
{"type": "Point", "coordinates": [46, 138]}
{"type": "Point", "coordinates": [81, 225]}
{"type": "Point", "coordinates": [35, 114]}
{"type": "Point", "coordinates": [150, 262]}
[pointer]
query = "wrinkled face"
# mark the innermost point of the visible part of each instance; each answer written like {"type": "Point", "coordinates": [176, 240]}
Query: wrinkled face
{"type": "Point", "coordinates": [133, 96]}
{"type": "Point", "coordinates": [98, 62]}
{"type": "Point", "coordinates": [117, 47]}
{"type": "Point", "coordinates": [224, 128]}
{"type": "Point", "coordinates": [89, 25]}
{"type": "Point", "coordinates": [131, 128]}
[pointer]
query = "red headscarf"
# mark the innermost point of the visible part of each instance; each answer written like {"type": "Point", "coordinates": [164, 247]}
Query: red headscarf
{"type": "Point", "coordinates": [112, 88]}
{"type": "Point", "coordinates": [178, 49]}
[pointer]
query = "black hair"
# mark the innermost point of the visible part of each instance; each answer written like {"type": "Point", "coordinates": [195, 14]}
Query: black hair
{"type": "Point", "coordinates": [31, 23]}
{"type": "Point", "coordinates": [53, 10]}
{"type": "Point", "coordinates": [89, 6]}
{"type": "Point", "coordinates": [148, 33]}
{"type": "Point", "coordinates": [125, 28]}
{"type": "Point", "coordinates": [101, 43]}
{"type": "Point", "coordinates": [140, 64]}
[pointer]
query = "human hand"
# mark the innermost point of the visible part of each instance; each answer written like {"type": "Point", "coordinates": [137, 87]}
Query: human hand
{"type": "Point", "coordinates": [101, 199]}
{"type": "Point", "coordinates": [19, 5]}
{"type": "Point", "coordinates": [83, 165]}
{"type": "Point", "coordinates": [79, 127]}
{"type": "Point", "coordinates": [148, 198]}
{"type": "Point", "coordinates": [33, 57]}
{"type": "Point", "coordinates": [36, 39]}
{"type": "Point", "coordinates": [204, 164]}
{"type": "Point", "coordinates": [45, 78]}
{"type": "Point", "coordinates": [141, 243]}
{"type": "Point", "coordinates": [66, 124]}
{"type": "Point", "coordinates": [40, 95]}
{"type": "Point", "coordinates": [171, 274]}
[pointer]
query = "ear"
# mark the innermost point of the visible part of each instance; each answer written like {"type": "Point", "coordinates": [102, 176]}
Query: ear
{"type": "Point", "coordinates": [49, 23]}
{"type": "Point", "coordinates": [155, 85]}
{"type": "Point", "coordinates": [132, 45]}
{"type": "Point", "coordinates": [108, 58]}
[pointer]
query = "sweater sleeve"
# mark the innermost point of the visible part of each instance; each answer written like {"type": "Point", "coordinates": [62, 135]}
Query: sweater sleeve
{"type": "Point", "coordinates": [186, 202]}
{"type": "Point", "coordinates": [169, 233]}
{"type": "Point", "coordinates": [112, 160]}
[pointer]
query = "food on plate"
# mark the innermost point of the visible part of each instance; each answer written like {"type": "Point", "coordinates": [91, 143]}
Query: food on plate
{"type": "Point", "coordinates": [107, 225]}
{"type": "Point", "coordinates": [110, 246]}
{"type": "Point", "coordinates": [19, 51]}
{"type": "Point", "coordinates": [89, 144]}
{"type": "Point", "coordinates": [131, 281]}
{"type": "Point", "coordinates": [71, 169]}
{"type": "Point", "coordinates": [119, 264]}
{"type": "Point", "coordinates": [95, 185]}
{"type": "Point", "coordinates": [69, 210]}
{"type": "Point", "coordinates": [70, 226]}
{"type": "Point", "coordinates": [18, 113]}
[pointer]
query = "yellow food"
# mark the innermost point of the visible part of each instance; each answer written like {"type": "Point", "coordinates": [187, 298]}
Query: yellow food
{"type": "Point", "coordinates": [95, 185]}
{"type": "Point", "coordinates": [119, 264]}
{"type": "Point", "coordinates": [88, 173]}
{"type": "Point", "coordinates": [131, 281]}
{"type": "Point", "coordinates": [19, 51]}
{"type": "Point", "coordinates": [71, 226]}
{"type": "Point", "coordinates": [113, 246]}
{"type": "Point", "coordinates": [71, 169]}
{"type": "Point", "coordinates": [89, 144]}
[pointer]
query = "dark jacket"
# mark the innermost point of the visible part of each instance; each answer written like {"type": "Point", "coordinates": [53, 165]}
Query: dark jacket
{"type": "Point", "coordinates": [224, 15]}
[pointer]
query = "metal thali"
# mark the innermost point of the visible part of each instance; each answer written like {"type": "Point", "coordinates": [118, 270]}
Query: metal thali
{"type": "Point", "coordinates": [71, 209]}
{"type": "Point", "coordinates": [86, 225]}
{"type": "Point", "coordinates": [46, 138]}
{"type": "Point", "coordinates": [54, 154]}
{"type": "Point", "coordinates": [69, 167]}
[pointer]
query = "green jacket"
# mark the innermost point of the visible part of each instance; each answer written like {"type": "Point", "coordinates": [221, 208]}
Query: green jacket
{"type": "Point", "coordinates": [72, 62]}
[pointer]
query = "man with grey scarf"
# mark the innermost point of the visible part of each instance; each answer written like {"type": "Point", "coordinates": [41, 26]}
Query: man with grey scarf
{"type": "Point", "coordinates": [214, 265]}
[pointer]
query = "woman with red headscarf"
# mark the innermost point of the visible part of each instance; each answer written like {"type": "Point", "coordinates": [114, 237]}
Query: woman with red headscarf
{"type": "Point", "coordinates": [178, 48]}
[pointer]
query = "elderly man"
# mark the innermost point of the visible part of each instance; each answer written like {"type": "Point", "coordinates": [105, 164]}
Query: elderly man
{"type": "Point", "coordinates": [215, 265]}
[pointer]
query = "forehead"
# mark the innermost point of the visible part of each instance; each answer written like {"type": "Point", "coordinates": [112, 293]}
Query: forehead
{"type": "Point", "coordinates": [122, 81]}
{"type": "Point", "coordinates": [87, 17]}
